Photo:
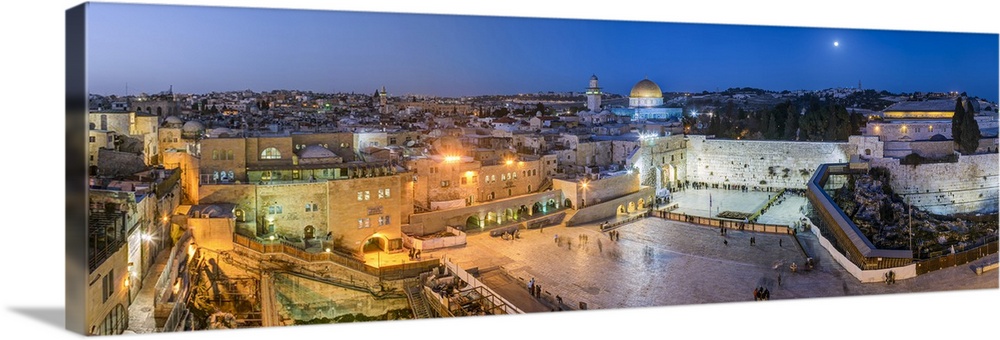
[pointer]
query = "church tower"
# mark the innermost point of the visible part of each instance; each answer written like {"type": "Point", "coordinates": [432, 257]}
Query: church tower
{"type": "Point", "coordinates": [383, 101]}
{"type": "Point", "coordinates": [594, 95]}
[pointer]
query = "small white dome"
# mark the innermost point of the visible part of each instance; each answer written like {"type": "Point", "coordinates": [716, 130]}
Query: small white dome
{"type": "Point", "coordinates": [193, 126]}
{"type": "Point", "coordinates": [316, 151]}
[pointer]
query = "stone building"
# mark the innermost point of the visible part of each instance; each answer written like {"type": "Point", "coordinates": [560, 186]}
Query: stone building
{"type": "Point", "coordinates": [138, 125]}
{"type": "Point", "coordinates": [108, 280]}
{"type": "Point", "coordinates": [445, 182]}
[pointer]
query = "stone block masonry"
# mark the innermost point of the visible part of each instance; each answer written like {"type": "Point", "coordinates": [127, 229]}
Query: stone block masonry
{"type": "Point", "coordinates": [968, 186]}
{"type": "Point", "coordinates": [763, 164]}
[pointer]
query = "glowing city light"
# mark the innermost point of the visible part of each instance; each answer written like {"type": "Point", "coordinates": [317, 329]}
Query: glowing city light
{"type": "Point", "coordinates": [452, 158]}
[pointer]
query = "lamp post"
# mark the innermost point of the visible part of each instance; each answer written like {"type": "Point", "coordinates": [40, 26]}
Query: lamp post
{"type": "Point", "coordinates": [584, 186]}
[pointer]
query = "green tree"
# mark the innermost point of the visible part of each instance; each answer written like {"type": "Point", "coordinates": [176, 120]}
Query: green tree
{"type": "Point", "coordinates": [970, 132]}
{"type": "Point", "coordinates": [956, 122]}
{"type": "Point", "coordinates": [791, 122]}
{"type": "Point", "coordinates": [539, 107]}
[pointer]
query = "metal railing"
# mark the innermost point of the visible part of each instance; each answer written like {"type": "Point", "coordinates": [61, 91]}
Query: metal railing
{"type": "Point", "coordinates": [728, 224]}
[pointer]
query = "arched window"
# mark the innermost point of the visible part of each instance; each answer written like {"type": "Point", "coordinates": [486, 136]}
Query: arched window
{"type": "Point", "coordinates": [270, 153]}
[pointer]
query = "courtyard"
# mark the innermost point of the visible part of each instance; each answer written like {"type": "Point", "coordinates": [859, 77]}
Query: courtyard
{"type": "Point", "coordinates": [660, 263]}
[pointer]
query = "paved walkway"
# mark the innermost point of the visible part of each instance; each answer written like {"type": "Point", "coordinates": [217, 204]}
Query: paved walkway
{"type": "Point", "coordinates": [658, 262]}
{"type": "Point", "coordinates": [140, 312]}
{"type": "Point", "coordinates": [695, 201]}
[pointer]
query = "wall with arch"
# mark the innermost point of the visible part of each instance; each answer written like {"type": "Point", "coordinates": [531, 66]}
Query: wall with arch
{"type": "Point", "coordinates": [521, 207]}
{"type": "Point", "coordinates": [609, 209]}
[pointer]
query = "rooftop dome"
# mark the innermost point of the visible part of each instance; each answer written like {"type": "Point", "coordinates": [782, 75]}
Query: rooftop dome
{"type": "Point", "coordinates": [221, 132]}
{"type": "Point", "coordinates": [316, 151]}
{"type": "Point", "coordinates": [193, 126]}
{"type": "Point", "coordinates": [173, 120]}
{"type": "Point", "coordinates": [646, 89]}
{"type": "Point", "coordinates": [938, 137]}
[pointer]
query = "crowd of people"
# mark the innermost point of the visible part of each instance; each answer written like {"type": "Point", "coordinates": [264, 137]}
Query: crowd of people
{"type": "Point", "coordinates": [761, 294]}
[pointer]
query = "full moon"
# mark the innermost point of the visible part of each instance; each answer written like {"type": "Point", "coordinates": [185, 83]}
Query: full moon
{"type": "Point", "coordinates": [836, 43]}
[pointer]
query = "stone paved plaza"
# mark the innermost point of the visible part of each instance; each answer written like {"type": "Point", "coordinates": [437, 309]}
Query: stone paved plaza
{"type": "Point", "coordinates": [695, 201]}
{"type": "Point", "coordinates": [659, 262]}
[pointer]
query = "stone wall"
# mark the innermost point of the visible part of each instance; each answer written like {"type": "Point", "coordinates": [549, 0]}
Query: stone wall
{"type": "Point", "coordinates": [327, 206]}
{"type": "Point", "coordinates": [609, 208]}
{"type": "Point", "coordinates": [213, 233]}
{"type": "Point", "coordinates": [928, 149]}
{"type": "Point", "coordinates": [760, 163]}
{"type": "Point", "coordinates": [436, 221]}
{"type": "Point", "coordinates": [357, 220]}
{"type": "Point", "coordinates": [597, 190]}
{"type": "Point", "coordinates": [215, 152]}
{"type": "Point", "coordinates": [661, 161]}
{"type": "Point", "coordinates": [188, 165]}
{"type": "Point", "coordinates": [116, 163]}
{"type": "Point", "coordinates": [970, 185]}
{"type": "Point", "coordinates": [867, 147]}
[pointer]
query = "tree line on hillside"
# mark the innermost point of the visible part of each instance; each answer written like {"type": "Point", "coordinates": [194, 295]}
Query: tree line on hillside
{"type": "Point", "coordinates": [811, 120]}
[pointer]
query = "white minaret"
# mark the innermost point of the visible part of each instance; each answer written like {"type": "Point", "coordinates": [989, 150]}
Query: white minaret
{"type": "Point", "coordinates": [594, 95]}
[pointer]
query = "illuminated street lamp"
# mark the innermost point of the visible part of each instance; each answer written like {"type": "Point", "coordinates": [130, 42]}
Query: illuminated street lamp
{"type": "Point", "coordinates": [583, 184]}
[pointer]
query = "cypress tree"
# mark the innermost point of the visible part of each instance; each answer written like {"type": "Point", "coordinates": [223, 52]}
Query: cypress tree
{"type": "Point", "coordinates": [956, 122]}
{"type": "Point", "coordinates": [791, 122]}
{"type": "Point", "coordinates": [970, 131]}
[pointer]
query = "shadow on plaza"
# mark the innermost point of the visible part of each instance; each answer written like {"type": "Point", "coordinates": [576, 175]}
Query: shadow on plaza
{"type": "Point", "coordinates": [53, 316]}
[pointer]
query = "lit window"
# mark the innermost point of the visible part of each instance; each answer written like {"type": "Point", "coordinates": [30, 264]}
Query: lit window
{"type": "Point", "coordinates": [215, 154]}
{"type": "Point", "coordinates": [270, 153]}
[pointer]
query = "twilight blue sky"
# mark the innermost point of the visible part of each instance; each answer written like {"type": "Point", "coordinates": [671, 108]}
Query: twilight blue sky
{"type": "Point", "coordinates": [204, 49]}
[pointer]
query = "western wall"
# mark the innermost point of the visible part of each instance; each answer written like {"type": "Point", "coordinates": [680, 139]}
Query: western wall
{"type": "Point", "coordinates": [773, 164]}
{"type": "Point", "coordinates": [968, 186]}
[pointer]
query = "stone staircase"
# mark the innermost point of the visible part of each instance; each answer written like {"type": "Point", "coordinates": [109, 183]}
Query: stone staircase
{"type": "Point", "coordinates": [414, 293]}
{"type": "Point", "coordinates": [546, 184]}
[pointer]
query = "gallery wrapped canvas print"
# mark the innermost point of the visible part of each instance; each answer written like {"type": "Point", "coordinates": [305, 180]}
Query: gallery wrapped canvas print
{"type": "Point", "coordinates": [234, 168]}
